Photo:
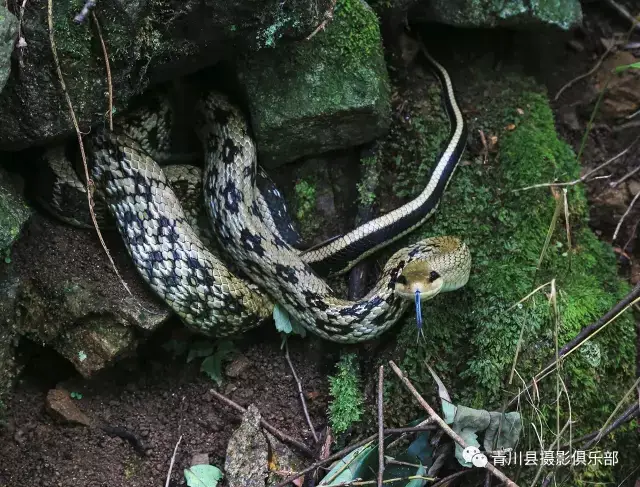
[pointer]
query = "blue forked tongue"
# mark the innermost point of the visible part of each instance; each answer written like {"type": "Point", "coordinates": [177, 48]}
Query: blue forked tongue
{"type": "Point", "coordinates": [418, 311]}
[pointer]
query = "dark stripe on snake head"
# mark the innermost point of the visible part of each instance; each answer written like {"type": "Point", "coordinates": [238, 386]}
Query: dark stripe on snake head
{"type": "Point", "coordinates": [393, 274]}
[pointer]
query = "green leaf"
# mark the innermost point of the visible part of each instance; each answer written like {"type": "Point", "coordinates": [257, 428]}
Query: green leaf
{"type": "Point", "coordinates": [449, 411]}
{"type": "Point", "coordinates": [625, 67]}
{"type": "Point", "coordinates": [7, 260]}
{"type": "Point", "coordinates": [202, 476]}
{"type": "Point", "coordinates": [285, 323]}
{"type": "Point", "coordinates": [350, 466]}
{"type": "Point", "coordinates": [418, 482]}
{"type": "Point", "coordinates": [281, 318]}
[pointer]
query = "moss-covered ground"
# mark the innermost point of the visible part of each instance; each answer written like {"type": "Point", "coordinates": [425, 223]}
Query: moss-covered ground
{"type": "Point", "coordinates": [471, 335]}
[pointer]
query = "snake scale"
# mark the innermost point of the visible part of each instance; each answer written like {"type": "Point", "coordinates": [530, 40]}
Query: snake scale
{"type": "Point", "coordinates": [221, 295]}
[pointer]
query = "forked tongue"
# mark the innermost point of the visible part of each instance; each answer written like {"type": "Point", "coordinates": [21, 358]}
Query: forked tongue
{"type": "Point", "coordinates": [418, 311]}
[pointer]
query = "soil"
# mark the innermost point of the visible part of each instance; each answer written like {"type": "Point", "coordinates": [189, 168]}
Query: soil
{"type": "Point", "coordinates": [159, 398]}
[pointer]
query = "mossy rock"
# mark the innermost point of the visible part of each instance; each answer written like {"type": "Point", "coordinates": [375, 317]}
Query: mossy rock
{"type": "Point", "coordinates": [471, 335]}
{"type": "Point", "coordinates": [563, 14]}
{"type": "Point", "coordinates": [148, 42]}
{"type": "Point", "coordinates": [330, 92]}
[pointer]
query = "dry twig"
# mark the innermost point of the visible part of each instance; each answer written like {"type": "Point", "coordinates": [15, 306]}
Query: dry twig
{"type": "Point", "coordinates": [300, 393]}
{"type": "Point", "coordinates": [601, 59]}
{"type": "Point", "coordinates": [72, 113]}
{"type": "Point", "coordinates": [586, 333]}
{"type": "Point", "coordinates": [629, 208]}
{"type": "Point", "coordinates": [388, 481]}
{"type": "Point", "coordinates": [380, 426]}
{"type": "Point", "coordinates": [271, 429]}
{"type": "Point", "coordinates": [173, 459]}
{"type": "Point", "coordinates": [584, 178]}
{"type": "Point", "coordinates": [452, 434]}
{"type": "Point", "coordinates": [349, 449]}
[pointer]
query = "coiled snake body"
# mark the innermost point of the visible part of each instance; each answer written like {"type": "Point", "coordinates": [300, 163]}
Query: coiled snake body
{"type": "Point", "coordinates": [172, 256]}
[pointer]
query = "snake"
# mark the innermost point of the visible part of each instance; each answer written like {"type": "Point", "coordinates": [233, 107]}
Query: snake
{"type": "Point", "coordinates": [233, 284]}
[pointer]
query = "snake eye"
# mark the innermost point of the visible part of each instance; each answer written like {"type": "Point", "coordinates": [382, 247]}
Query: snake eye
{"type": "Point", "coordinates": [433, 276]}
{"type": "Point", "coordinates": [401, 279]}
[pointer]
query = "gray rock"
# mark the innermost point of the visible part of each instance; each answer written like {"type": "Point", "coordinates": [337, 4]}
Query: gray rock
{"type": "Point", "coordinates": [14, 212]}
{"type": "Point", "coordinates": [63, 293]}
{"type": "Point", "coordinates": [148, 41]}
{"type": "Point", "coordinates": [328, 93]}
{"type": "Point", "coordinates": [563, 14]}
{"type": "Point", "coordinates": [8, 34]}
{"type": "Point", "coordinates": [246, 464]}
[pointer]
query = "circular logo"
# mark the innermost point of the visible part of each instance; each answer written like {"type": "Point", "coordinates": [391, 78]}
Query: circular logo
{"type": "Point", "coordinates": [475, 456]}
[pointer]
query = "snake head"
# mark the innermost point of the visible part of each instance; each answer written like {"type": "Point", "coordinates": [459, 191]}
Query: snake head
{"type": "Point", "coordinates": [418, 277]}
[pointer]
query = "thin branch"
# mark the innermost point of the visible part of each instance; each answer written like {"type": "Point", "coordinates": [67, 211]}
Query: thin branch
{"type": "Point", "coordinates": [271, 429]}
{"type": "Point", "coordinates": [586, 333]}
{"type": "Point", "coordinates": [630, 413]}
{"type": "Point", "coordinates": [566, 221]}
{"type": "Point", "coordinates": [629, 208]}
{"type": "Point", "coordinates": [72, 113]}
{"type": "Point", "coordinates": [380, 425]}
{"type": "Point", "coordinates": [588, 73]}
{"type": "Point", "coordinates": [452, 434]}
{"type": "Point", "coordinates": [625, 177]}
{"type": "Point", "coordinates": [388, 481]}
{"type": "Point", "coordinates": [584, 178]}
{"type": "Point", "coordinates": [300, 392]}
{"type": "Point", "coordinates": [349, 449]}
{"type": "Point", "coordinates": [108, 68]}
{"type": "Point", "coordinates": [634, 388]}
{"type": "Point", "coordinates": [173, 459]}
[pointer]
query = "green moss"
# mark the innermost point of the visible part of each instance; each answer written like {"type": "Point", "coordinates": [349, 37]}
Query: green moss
{"type": "Point", "coordinates": [370, 175]}
{"type": "Point", "coordinates": [471, 335]}
{"type": "Point", "coordinates": [347, 400]}
{"type": "Point", "coordinates": [360, 36]}
{"type": "Point", "coordinates": [306, 97]}
{"type": "Point", "coordinates": [305, 199]}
